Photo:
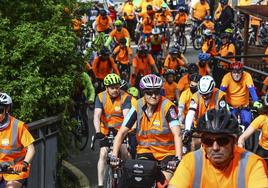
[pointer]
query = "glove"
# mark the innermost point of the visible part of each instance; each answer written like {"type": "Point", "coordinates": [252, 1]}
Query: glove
{"type": "Point", "coordinates": [99, 136]}
{"type": "Point", "coordinates": [257, 104]}
{"type": "Point", "coordinates": [172, 165]}
{"type": "Point", "coordinates": [114, 161]}
{"type": "Point", "coordinates": [19, 167]}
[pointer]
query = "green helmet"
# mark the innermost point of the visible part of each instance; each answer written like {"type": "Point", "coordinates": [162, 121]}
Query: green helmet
{"type": "Point", "coordinates": [133, 91]}
{"type": "Point", "coordinates": [111, 79]}
{"type": "Point", "coordinates": [118, 23]}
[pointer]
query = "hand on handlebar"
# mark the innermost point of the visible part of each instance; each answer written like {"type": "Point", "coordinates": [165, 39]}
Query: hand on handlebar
{"type": "Point", "coordinates": [99, 135]}
{"type": "Point", "coordinates": [186, 136]}
{"type": "Point", "coordinates": [172, 165]}
{"type": "Point", "coordinates": [114, 161]}
{"type": "Point", "coordinates": [19, 167]}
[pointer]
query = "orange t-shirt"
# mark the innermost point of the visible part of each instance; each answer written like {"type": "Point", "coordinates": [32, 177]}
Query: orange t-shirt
{"type": "Point", "coordinates": [200, 11]}
{"type": "Point", "coordinates": [170, 90]}
{"type": "Point", "coordinates": [209, 46]}
{"type": "Point", "coordinates": [103, 24]}
{"type": "Point", "coordinates": [143, 65]}
{"type": "Point", "coordinates": [180, 18]}
{"type": "Point", "coordinates": [161, 19]}
{"type": "Point", "coordinates": [128, 11]}
{"type": "Point", "coordinates": [208, 25]}
{"type": "Point", "coordinates": [147, 25]}
{"type": "Point", "coordinates": [122, 54]}
{"type": "Point", "coordinates": [118, 35]}
{"type": "Point", "coordinates": [225, 50]}
{"type": "Point", "coordinates": [184, 83]}
{"type": "Point", "coordinates": [173, 64]}
{"type": "Point", "coordinates": [102, 68]}
{"type": "Point", "coordinates": [203, 71]}
{"type": "Point", "coordinates": [237, 93]}
{"type": "Point", "coordinates": [261, 122]}
{"type": "Point", "coordinates": [266, 53]}
{"type": "Point", "coordinates": [265, 82]}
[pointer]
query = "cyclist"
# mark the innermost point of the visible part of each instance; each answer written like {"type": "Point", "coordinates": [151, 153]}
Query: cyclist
{"type": "Point", "coordinates": [209, 45]}
{"type": "Point", "coordinates": [203, 64]}
{"type": "Point", "coordinates": [117, 34]}
{"type": "Point", "coordinates": [17, 147]}
{"type": "Point", "coordinates": [157, 43]}
{"type": "Point", "coordinates": [111, 107]}
{"type": "Point", "coordinates": [180, 21]}
{"type": "Point", "coordinates": [173, 60]}
{"type": "Point", "coordinates": [123, 55]}
{"type": "Point", "coordinates": [163, 17]}
{"type": "Point", "coordinates": [184, 81]}
{"type": "Point", "coordinates": [220, 163]}
{"type": "Point", "coordinates": [171, 87]}
{"type": "Point", "coordinates": [145, 4]}
{"type": "Point", "coordinates": [185, 98]}
{"type": "Point", "coordinates": [103, 65]}
{"type": "Point", "coordinates": [199, 11]}
{"type": "Point", "coordinates": [143, 64]}
{"type": "Point", "coordinates": [261, 122]}
{"type": "Point", "coordinates": [158, 131]}
{"type": "Point", "coordinates": [226, 18]}
{"type": "Point", "coordinates": [207, 24]}
{"type": "Point", "coordinates": [208, 97]}
{"type": "Point", "coordinates": [103, 22]}
{"type": "Point", "coordinates": [238, 85]}
{"type": "Point", "coordinates": [227, 49]}
{"type": "Point", "coordinates": [129, 16]}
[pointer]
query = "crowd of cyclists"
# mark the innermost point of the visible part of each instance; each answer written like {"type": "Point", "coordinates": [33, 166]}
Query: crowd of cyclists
{"type": "Point", "coordinates": [162, 106]}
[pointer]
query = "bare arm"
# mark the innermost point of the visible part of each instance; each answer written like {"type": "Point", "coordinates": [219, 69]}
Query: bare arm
{"type": "Point", "coordinates": [176, 131]}
{"type": "Point", "coordinates": [121, 134]}
{"type": "Point", "coordinates": [96, 119]}
{"type": "Point", "coordinates": [30, 153]}
{"type": "Point", "coordinates": [249, 131]}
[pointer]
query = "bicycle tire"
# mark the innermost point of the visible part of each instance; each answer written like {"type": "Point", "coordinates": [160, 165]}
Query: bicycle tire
{"type": "Point", "coordinates": [108, 178]}
{"type": "Point", "coordinates": [183, 43]}
{"type": "Point", "coordinates": [197, 43]}
{"type": "Point", "coordinates": [82, 133]}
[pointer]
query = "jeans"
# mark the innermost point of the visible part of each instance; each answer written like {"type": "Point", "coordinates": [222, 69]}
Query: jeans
{"type": "Point", "coordinates": [245, 115]}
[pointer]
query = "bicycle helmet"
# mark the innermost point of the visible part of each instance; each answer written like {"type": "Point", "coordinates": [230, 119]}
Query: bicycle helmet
{"type": "Point", "coordinates": [224, 35]}
{"type": "Point", "coordinates": [142, 48]}
{"type": "Point", "coordinates": [208, 17]}
{"type": "Point", "coordinates": [156, 31]}
{"type": "Point", "coordinates": [192, 68]}
{"type": "Point", "coordinates": [104, 51]}
{"type": "Point", "coordinates": [207, 33]}
{"type": "Point", "coordinates": [229, 31]}
{"type": "Point", "coordinates": [103, 12]}
{"type": "Point", "coordinates": [206, 85]}
{"type": "Point", "coordinates": [219, 121]}
{"type": "Point", "coordinates": [123, 41]}
{"type": "Point", "coordinates": [118, 23]}
{"type": "Point", "coordinates": [170, 71]}
{"type": "Point", "coordinates": [111, 79]}
{"type": "Point", "coordinates": [5, 99]}
{"type": "Point", "coordinates": [182, 9]}
{"type": "Point", "coordinates": [133, 91]}
{"type": "Point", "coordinates": [224, 2]}
{"type": "Point", "coordinates": [195, 77]}
{"type": "Point", "coordinates": [150, 81]}
{"type": "Point", "coordinates": [174, 51]}
{"type": "Point", "coordinates": [123, 83]}
{"type": "Point", "coordinates": [204, 57]}
{"type": "Point", "coordinates": [237, 66]}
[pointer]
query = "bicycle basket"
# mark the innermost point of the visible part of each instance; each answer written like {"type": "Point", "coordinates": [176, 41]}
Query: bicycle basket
{"type": "Point", "coordinates": [140, 173]}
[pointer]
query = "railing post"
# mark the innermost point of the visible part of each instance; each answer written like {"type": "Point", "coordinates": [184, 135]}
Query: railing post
{"type": "Point", "coordinates": [43, 158]}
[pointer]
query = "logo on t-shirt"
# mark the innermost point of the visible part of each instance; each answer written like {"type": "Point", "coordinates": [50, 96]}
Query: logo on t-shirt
{"type": "Point", "coordinates": [117, 108]}
{"type": "Point", "coordinates": [156, 123]}
{"type": "Point", "coordinates": [5, 142]}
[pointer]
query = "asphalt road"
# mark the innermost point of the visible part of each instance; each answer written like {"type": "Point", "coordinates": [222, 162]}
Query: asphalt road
{"type": "Point", "coordinates": [87, 160]}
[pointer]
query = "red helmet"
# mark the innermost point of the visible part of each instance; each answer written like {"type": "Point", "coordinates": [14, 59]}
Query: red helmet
{"type": "Point", "coordinates": [236, 65]}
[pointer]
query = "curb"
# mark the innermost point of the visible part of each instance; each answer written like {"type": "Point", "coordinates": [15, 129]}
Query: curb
{"type": "Point", "coordinates": [82, 178]}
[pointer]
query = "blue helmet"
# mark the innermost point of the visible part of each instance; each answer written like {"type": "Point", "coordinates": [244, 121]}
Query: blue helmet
{"type": "Point", "coordinates": [204, 56]}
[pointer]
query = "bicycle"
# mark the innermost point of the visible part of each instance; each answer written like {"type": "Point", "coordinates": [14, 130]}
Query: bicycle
{"type": "Point", "coordinates": [81, 130]}
{"type": "Point", "coordinates": [180, 38]}
{"type": "Point", "coordinates": [198, 39]}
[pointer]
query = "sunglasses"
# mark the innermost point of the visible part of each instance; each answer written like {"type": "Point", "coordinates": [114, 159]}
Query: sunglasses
{"type": "Point", "coordinates": [151, 92]}
{"type": "Point", "coordinates": [2, 109]}
{"type": "Point", "coordinates": [237, 71]}
{"type": "Point", "coordinates": [221, 141]}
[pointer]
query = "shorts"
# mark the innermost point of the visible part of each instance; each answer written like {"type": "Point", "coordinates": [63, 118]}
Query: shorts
{"type": "Point", "coordinates": [149, 156]}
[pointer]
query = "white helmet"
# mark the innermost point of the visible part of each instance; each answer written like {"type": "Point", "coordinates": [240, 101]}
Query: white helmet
{"type": "Point", "coordinates": [206, 85]}
{"type": "Point", "coordinates": [151, 81]}
{"type": "Point", "coordinates": [207, 32]}
{"type": "Point", "coordinates": [156, 31]}
{"type": "Point", "coordinates": [5, 99]}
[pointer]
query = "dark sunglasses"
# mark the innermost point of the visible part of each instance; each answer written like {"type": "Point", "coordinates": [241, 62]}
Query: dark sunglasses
{"type": "Point", "coordinates": [151, 92]}
{"type": "Point", "coordinates": [221, 141]}
{"type": "Point", "coordinates": [2, 109]}
{"type": "Point", "coordinates": [237, 71]}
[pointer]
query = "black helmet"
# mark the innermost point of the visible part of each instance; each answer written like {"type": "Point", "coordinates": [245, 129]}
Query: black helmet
{"type": "Point", "coordinates": [103, 12]}
{"type": "Point", "coordinates": [224, 2]}
{"type": "Point", "coordinates": [195, 77]}
{"type": "Point", "coordinates": [174, 51]}
{"type": "Point", "coordinates": [104, 51]}
{"type": "Point", "coordinates": [192, 68]}
{"type": "Point", "coordinates": [170, 71]}
{"type": "Point", "coordinates": [149, 7]}
{"type": "Point", "coordinates": [219, 121]}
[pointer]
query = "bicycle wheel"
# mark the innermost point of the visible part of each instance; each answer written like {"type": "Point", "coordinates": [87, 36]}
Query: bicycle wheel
{"type": "Point", "coordinates": [81, 132]}
{"type": "Point", "coordinates": [198, 41]}
{"type": "Point", "coordinates": [183, 43]}
{"type": "Point", "coordinates": [108, 178]}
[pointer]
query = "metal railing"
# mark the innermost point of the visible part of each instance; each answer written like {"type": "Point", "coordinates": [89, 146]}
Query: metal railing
{"type": "Point", "coordinates": [44, 164]}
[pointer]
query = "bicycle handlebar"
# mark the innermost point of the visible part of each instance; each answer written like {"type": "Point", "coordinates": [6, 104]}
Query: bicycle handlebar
{"type": "Point", "coordinates": [7, 169]}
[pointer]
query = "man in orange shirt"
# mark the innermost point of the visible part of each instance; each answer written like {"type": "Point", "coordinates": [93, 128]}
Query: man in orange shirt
{"type": "Point", "coordinates": [180, 20]}
{"type": "Point", "coordinates": [129, 16]}
{"type": "Point", "coordinates": [104, 22]}
{"type": "Point", "coordinates": [238, 85]}
{"type": "Point", "coordinates": [203, 64]}
{"type": "Point", "coordinates": [208, 24]}
{"type": "Point", "coordinates": [123, 55]}
{"type": "Point", "coordinates": [173, 61]}
{"type": "Point", "coordinates": [209, 45]}
{"type": "Point", "coordinates": [143, 64]}
{"type": "Point", "coordinates": [171, 87]}
{"type": "Point", "coordinates": [148, 22]}
{"type": "Point", "coordinates": [103, 65]}
{"type": "Point", "coordinates": [16, 149]}
{"type": "Point", "coordinates": [220, 163]}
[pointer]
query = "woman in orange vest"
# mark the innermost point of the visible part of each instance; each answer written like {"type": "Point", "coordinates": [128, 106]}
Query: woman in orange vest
{"type": "Point", "coordinates": [157, 127]}
{"type": "Point", "coordinates": [16, 147]}
{"type": "Point", "coordinates": [220, 163]}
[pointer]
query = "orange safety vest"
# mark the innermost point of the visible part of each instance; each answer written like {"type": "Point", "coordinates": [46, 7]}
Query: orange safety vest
{"type": "Point", "coordinates": [154, 135]}
{"type": "Point", "coordinates": [112, 115]}
{"type": "Point", "coordinates": [11, 149]}
{"type": "Point", "coordinates": [213, 103]}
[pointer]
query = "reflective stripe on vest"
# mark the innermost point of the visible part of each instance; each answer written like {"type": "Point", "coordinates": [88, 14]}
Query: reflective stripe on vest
{"type": "Point", "coordinates": [198, 161]}
{"type": "Point", "coordinates": [146, 144]}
